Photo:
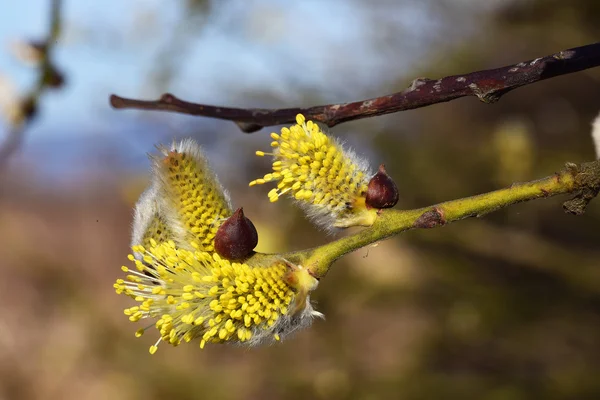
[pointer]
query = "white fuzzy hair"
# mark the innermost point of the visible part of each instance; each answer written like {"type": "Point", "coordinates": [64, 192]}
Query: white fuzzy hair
{"type": "Point", "coordinates": [596, 135]}
{"type": "Point", "coordinates": [146, 209]}
{"type": "Point", "coordinates": [286, 325]}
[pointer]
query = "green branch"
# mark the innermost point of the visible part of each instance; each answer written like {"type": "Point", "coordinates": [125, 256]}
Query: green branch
{"type": "Point", "coordinates": [582, 180]}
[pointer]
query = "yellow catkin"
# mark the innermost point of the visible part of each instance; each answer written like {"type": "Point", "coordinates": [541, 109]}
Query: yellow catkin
{"type": "Point", "coordinates": [198, 295]}
{"type": "Point", "coordinates": [192, 193]}
{"type": "Point", "coordinates": [157, 230]}
{"type": "Point", "coordinates": [314, 169]}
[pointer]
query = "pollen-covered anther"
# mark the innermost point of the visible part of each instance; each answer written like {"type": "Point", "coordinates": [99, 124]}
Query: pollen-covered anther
{"type": "Point", "coordinates": [382, 191]}
{"type": "Point", "coordinates": [236, 237]}
{"type": "Point", "coordinates": [328, 181]}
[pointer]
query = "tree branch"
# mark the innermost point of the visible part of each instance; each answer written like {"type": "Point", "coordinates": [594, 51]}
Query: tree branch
{"type": "Point", "coordinates": [582, 180]}
{"type": "Point", "coordinates": [48, 77]}
{"type": "Point", "coordinates": [487, 85]}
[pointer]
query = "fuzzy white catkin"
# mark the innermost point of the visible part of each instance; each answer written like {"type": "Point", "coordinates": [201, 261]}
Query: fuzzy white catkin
{"type": "Point", "coordinates": [146, 208]}
{"type": "Point", "coordinates": [596, 135]}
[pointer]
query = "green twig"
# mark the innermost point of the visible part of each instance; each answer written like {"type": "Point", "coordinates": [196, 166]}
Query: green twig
{"type": "Point", "coordinates": [582, 180]}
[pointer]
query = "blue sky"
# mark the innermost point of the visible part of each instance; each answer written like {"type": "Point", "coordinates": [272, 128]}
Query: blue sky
{"type": "Point", "coordinates": [254, 52]}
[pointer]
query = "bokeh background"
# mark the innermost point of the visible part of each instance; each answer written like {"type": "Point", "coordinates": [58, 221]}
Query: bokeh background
{"type": "Point", "coordinates": [503, 307]}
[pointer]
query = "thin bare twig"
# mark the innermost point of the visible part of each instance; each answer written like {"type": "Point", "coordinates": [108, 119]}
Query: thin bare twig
{"type": "Point", "coordinates": [48, 77]}
{"type": "Point", "coordinates": [488, 86]}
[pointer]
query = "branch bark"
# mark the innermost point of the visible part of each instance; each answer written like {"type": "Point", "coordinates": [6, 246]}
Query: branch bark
{"type": "Point", "coordinates": [488, 86]}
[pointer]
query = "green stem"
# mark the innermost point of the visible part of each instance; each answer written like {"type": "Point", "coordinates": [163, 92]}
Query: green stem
{"type": "Point", "coordinates": [582, 179]}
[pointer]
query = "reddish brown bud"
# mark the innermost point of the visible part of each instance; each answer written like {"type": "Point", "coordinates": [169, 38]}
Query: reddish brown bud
{"type": "Point", "coordinates": [54, 78]}
{"type": "Point", "coordinates": [29, 108]}
{"type": "Point", "coordinates": [382, 191]}
{"type": "Point", "coordinates": [236, 237]}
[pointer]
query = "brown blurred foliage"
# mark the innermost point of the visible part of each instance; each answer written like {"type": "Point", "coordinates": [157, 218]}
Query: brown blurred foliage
{"type": "Point", "coordinates": [506, 307]}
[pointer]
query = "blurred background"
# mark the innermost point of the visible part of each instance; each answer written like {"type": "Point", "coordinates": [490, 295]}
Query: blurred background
{"type": "Point", "coordinates": [504, 307]}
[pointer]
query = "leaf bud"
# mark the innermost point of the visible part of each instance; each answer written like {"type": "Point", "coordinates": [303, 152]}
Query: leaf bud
{"type": "Point", "coordinates": [382, 191]}
{"type": "Point", "coordinates": [236, 238]}
{"type": "Point", "coordinates": [54, 78]}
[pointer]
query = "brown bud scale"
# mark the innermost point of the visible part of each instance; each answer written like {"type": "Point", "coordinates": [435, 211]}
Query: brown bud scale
{"type": "Point", "coordinates": [382, 191]}
{"type": "Point", "coordinates": [236, 238]}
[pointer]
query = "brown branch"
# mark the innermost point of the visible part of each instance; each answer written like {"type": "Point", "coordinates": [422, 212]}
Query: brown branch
{"type": "Point", "coordinates": [488, 86]}
{"type": "Point", "coordinates": [48, 77]}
